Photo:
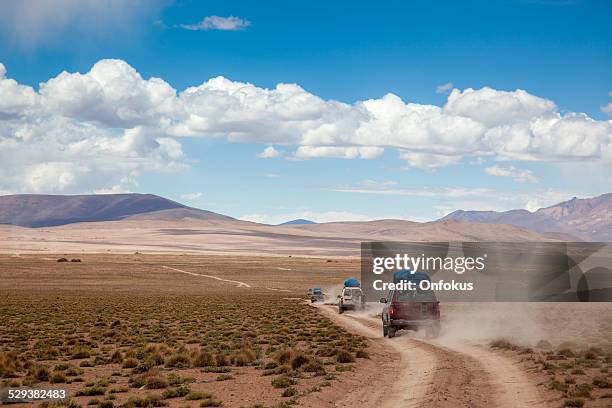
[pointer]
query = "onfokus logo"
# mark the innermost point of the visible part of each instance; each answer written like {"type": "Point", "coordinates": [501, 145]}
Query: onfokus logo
{"type": "Point", "coordinates": [459, 264]}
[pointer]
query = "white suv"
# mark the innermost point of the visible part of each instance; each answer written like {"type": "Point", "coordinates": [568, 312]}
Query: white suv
{"type": "Point", "coordinates": [350, 299]}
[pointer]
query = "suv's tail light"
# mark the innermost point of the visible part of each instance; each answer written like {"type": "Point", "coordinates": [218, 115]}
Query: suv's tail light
{"type": "Point", "coordinates": [391, 309]}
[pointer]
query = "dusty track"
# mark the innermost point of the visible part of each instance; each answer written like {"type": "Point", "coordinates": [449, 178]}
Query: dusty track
{"type": "Point", "coordinates": [438, 374]}
{"type": "Point", "coordinates": [237, 283]}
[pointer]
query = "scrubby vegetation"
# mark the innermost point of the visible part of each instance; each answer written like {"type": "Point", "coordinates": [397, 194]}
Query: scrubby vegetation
{"type": "Point", "coordinates": [146, 349]}
{"type": "Point", "coordinates": [579, 374]}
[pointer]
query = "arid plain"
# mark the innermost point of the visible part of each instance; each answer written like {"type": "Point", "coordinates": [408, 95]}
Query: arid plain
{"type": "Point", "coordinates": [167, 312]}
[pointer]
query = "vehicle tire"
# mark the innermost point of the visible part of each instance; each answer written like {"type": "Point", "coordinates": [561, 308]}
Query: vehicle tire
{"type": "Point", "coordinates": [340, 310]}
{"type": "Point", "coordinates": [391, 332]}
{"type": "Point", "coordinates": [385, 331]}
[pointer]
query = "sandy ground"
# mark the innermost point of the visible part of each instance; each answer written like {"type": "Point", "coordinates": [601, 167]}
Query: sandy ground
{"type": "Point", "coordinates": [440, 373]}
{"type": "Point", "coordinates": [240, 237]}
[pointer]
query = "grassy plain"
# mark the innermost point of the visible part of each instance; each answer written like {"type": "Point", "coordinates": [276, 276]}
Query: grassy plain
{"type": "Point", "coordinates": [125, 330]}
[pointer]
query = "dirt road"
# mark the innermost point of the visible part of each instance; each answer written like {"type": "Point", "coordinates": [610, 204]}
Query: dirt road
{"type": "Point", "coordinates": [437, 373]}
{"type": "Point", "coordinates": [237, 283]}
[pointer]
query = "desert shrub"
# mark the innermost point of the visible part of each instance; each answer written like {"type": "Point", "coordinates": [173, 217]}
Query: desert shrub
{"type": "Point", "coordinates": [314, 366]}
{"type": "Point", "coordinates": [155, 358]}
{"type": "Point", "coordinates": [181, 391]}
{"type": "Point", "coordinates": [130, 363]}
{"type": "Point", "coordinates": [203, 359]}
{"type": "Point", "coordinates": [216, 370]}
{"type": "Point", "coordinates": [175, 379]}
{"type": "Point", "coordinates": [80, 351]}
{"type": "Point", "coordinates": [57, 378]}
{"type": "Point", "coordinates": [244, 357]}
{"type": "Point", "coordinates": [156, 382]}
{"type": "Point", "coordinates": [197, 395]}
{"type": "Point", "coordinates": [601, 382]}
{"type": "Point", "coordinates": [106, 404]}
{"type": "Point", "coordinates": [289, 392]}
{"type": "Point", "coordinates": [39, 372]}
{"type": "Point", "coordinates": [178, 360]}
{"type": "Point", "coordinates": [581, 391]}
{"type": "Point", "coordinates": [502, 344]}
{"type": "Point", "coordinates": [270, 365]}
{"type": "Point", "coordinates": [9, 364]}
{"type": "Point", "coordinates": [278, 370]}
{"type": "Point", "coordinates": [341, 368]}
{"type": "Point", "coordinates": [146, 402]}
{"type": "Point", "coordinates": [69, 403]}
{"type": "Point", "coordinates": [61, 367]}
{"type": "Point", "coordinates": [116, 357]}
{"type": "Point", "coordinates": [90, 391]}
{"type": "Point", "coordinates": [282, 382]}
{"type": "Point", "coordinates": [326, 351]}
{"type": "Point", "coordinates": [221, 360]}
{"type": "Point", "coordinates": [565, 352]}
{"type": "Point", "coordinates": [344, 356]}
{"type": "Point", "coordinates": [210, 402]}
{"type": "Point", "coordinates": [283, 356]}
{"type": "Point", "coordinates": [361, 353]}
{"type": "Point", "coordinates": [558, 385]}
{"type": "Point", "coordinates": [137, 382]}
{"type": "Point", "coordinates": [298, 360]}
{"type": "Point", "coordinates": [224, 377]}
{"type": "Point", "coordinates": [574, 402]}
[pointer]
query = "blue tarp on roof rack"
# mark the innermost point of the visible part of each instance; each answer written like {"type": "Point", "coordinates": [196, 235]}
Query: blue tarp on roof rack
{"type": "Point", "coordinates": [407, 275]}
{"type": "Point", "coordinates": [351, 283]}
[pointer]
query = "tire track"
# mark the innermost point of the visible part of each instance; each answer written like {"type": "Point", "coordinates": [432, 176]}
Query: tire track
{"type": "Point", "coordinates": [437, 375]}
{"type": "Point", "coordinates": [237, 283]}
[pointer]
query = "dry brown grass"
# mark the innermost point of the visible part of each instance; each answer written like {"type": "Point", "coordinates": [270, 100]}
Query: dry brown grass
{"type": "Point", "coordinates": [124, 332]}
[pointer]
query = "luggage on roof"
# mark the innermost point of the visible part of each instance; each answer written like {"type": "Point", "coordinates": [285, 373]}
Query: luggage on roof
{"type": "Point", "coordinates": [407, 275]}
{"type": "Point", "coordinates": [351, 283]}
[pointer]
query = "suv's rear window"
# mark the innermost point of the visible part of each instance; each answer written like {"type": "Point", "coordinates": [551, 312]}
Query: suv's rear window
{"type": "Point", "coordinates": [415, 296]}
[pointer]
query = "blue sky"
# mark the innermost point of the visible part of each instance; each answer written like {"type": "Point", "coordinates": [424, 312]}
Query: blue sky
{"type": "Point", "coordinates": [559, 52]}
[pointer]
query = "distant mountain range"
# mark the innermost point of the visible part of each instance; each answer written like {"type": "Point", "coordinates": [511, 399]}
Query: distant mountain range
{"type": "Point", "coordinates": [34, 210]}
{"type": "Point", "coordinates": [299, 221]}
{"type": "Point", "coordinates": [589, 218]}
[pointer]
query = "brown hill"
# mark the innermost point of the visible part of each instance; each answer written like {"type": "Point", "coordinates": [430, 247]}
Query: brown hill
{"type": "Point", "coordinates": [37, 210]}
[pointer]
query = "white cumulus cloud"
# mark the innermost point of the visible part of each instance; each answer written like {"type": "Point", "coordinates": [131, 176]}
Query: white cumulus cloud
{"type": "Point", "coordinates": [444, 88]}
{"type": "Point", "coordinates": [31, 23]}
{"type": "Point", "coordinates": [269, 153]}
{"type": "Point", "coordinates": [192, 196]}
{"type": "Point", "coordinates": [230, 23]}
{"type": "Point", "coordinates": [102, 128]}
{"type": "Point", "coordinates": [518, 175]}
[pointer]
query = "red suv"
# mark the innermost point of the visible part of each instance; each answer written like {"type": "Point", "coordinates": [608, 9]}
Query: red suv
{"type": "Point", "coordinates": [411, 310]}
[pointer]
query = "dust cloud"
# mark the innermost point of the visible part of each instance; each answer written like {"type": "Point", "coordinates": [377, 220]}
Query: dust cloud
{"type": "Point", "coordinates": [525, 324]}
